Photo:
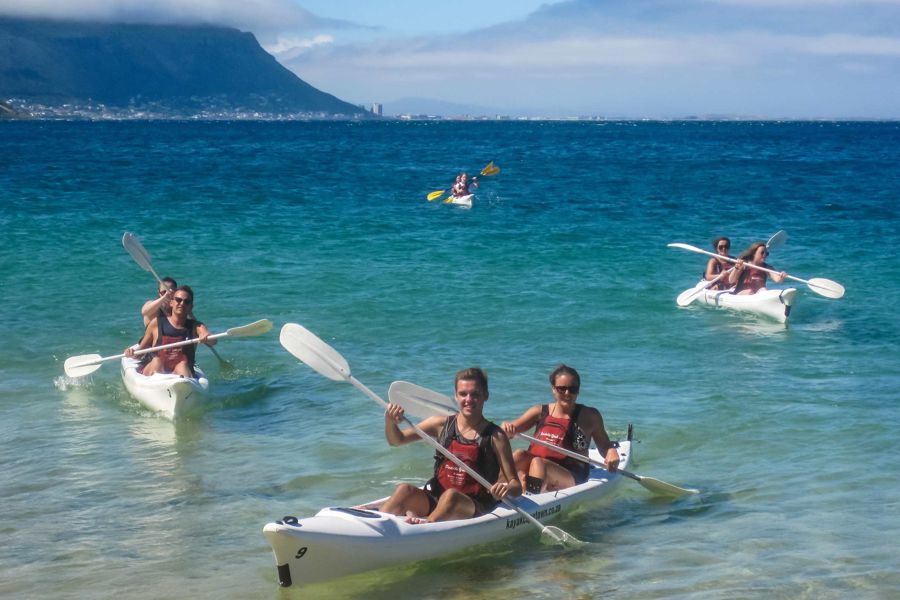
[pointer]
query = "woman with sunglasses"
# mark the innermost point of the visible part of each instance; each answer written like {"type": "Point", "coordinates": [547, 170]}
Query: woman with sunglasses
{"type": "Point", "coordinates": [716, 266]}
{"type": "Point", "coordinates": [566, 424]}
{"type": "Point", "coordinates": [746, 279]}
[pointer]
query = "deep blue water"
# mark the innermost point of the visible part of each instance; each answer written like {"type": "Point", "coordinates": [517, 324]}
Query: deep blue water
{"type": "Point", "coordinates": [787, 430]}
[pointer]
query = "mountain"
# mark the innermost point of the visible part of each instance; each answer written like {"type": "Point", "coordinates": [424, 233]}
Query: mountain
{"type": "Point", "coordinates": [174, 67]}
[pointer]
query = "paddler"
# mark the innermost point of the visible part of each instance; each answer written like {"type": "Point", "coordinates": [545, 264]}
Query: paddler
{"type": "Point", "coordinates": [715, 267]}
{"type": "Point", "coordinates": [748, 280]}
{"type": "Point", "coordinates": [171, 328]}
{"type": "Point", "coordinates": [160, 304]}
{"type": "Point", "coordinates": [566, 424]}
{"type": "Point", "coordinates": [451, 493]}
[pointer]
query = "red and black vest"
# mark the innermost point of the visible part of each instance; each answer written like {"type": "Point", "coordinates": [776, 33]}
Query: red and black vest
{"type": "Point", "coordinates": [478, 454]}
{"type": "Point", "coordinates": [559, 431]}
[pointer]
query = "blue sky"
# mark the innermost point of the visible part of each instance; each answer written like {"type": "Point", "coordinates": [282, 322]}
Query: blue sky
{"type": "Point", "coordinates": [626, 58]}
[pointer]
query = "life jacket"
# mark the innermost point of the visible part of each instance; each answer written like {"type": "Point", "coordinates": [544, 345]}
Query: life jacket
{"type": "Point", "coordinates": [478, 454]}
{"type": "Point", "coordinates": [718, 268]}
{"type": "Point", "coordinates": [559, 431]}
{"type": "Point", "coordinates": [752, 279]}
{"type": "Point", "coordinates": [169, 334]}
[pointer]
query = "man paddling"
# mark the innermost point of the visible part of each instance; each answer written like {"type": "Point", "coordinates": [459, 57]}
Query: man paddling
{"type": "Point", "coordinates": [162, 304]}
{"type": "Point", "coordinates": [451, 493]}
{"type": "Point", "coordinates": [171, 328]}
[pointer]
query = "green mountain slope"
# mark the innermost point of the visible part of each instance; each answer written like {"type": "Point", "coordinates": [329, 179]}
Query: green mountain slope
{"type": "Point", "coordinates": [53, 62]}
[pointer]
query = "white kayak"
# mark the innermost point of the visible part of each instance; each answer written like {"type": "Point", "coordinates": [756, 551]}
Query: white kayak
{"type": "Point", "coordinates": [773, 303]}
{"type": "Point", "coordinates": [342, 541]}
{"type": "Point", "coordinates": [460, 201]}
{"type": "Point", "coordinates": [170, 395]}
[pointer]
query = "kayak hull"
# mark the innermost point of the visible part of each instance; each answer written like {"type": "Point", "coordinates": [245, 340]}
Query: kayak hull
{"type": "Point", "coordinates": [169, 395]}
{"type": "Point", "coordinates": [770, 303]}
{"type": "Point", "coordinates": [337, 542]}
{"type": "Point", "coordinates": [461, 201]}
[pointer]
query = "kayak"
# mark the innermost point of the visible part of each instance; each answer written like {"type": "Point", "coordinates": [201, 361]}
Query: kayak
{"type": "Point", "coordinates": [170, 395]}
{"type": "Point", "coordinates": [340, 541]}
{"type": "Point", "coordinates": [461, 201]}
{"type": "Point", "coordinates": [773, 303]}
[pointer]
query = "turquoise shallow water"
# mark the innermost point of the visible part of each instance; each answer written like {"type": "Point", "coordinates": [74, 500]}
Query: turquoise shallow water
{"type": "Point", "coordinates": [789, 432]}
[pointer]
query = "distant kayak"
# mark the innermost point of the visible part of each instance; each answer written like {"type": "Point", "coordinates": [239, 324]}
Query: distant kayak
{"type": "Point", "coordinates": [773, 303]}
{"type": "Point", "coordinates": [461, 201]}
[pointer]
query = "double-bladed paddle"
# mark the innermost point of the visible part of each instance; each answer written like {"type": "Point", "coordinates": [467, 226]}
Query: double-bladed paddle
{"type": "Point", "coordinates": [423, 402]}
{"type": "Point", "coordinates": [85, 364]}
{"type": "Point", "coordinates": [140, 255]}
{"type": "Point", "coordinates": [325, 360]}
{"type": "Point", "coordinates": [821, 286]}
{"type": "Point", "coordinates": [688, 296]}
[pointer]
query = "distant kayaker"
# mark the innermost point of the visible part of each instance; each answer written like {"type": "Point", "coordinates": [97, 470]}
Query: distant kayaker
{"type": "Point", "coordinates": [563, 423]}
{"type": "Point", "coordinates": [748, 280]}
{"type": "Point", "coordinates": [716, 266]}
{"type": "Point", "coordinates": [163, 303]}
{"type": "Point", "coordinates": [171, 328]}
{"type": "Point", "coordinates": [452, 493]}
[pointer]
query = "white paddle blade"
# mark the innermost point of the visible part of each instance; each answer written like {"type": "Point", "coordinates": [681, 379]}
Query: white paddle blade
{"type": "Point", "coordinates": [137, 251]}
{"type": "Point", "coordinates": [826, 287]}
{"type": "Point", "coordinates": [776, 240]}
{"type": "Point", "coordinates": [319, 356]}
{"type": "Point", "coordinates": [79, 366]}
{"type": "Point", "coordinates": [420, 402]}
{"type": "Point", "coordinates": [257, 328]}
{"type": "Point", "coordinates": [688, 296]}
{"type": "Point", "coordinates": [556, 535]}
{"type": "Point", "coordinates": [664, 488]}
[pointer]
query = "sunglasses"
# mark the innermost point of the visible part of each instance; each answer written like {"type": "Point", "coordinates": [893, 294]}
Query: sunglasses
{"type": "Point", "coordinates": [726, 247]}
{"type": "Point", "coordinates": [566, 389]}
{"type": "Point", "coordinates": [181, 300]}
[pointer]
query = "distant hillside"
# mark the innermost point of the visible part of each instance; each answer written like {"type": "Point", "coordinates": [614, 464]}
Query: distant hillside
{"type": "Point", "coordinates": [180, 67]}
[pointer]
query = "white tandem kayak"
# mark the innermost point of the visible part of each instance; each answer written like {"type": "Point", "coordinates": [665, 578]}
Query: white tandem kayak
{"type": "Point", "coordinates": [773, 303]}
{"type": "Point", "coordinates": [170, 395]}
{"type": "Point", "coordinates": [342, 541]}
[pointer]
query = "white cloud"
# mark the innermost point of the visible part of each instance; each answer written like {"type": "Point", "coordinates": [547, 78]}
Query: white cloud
{"type": "Point", "coordinates": [259, 16]}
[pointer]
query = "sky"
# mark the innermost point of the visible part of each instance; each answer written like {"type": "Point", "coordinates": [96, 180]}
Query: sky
{"type": "Point", "coordinates": [611, 58]}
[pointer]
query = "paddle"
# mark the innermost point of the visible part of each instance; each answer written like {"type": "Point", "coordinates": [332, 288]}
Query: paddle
{"type": "Point", "coordinates": [488, 171]}
{"type": "Point", "coordinates": [85, 364]}
{"type": "Point", "coordinates": [140, 255]}
{"type": "Point", "coordinates": [688, 296]}
{"type": "Point", "coordinates": [423, 402]}
{"type": "Point", "coordinates": [823, 287]}
{"type": "Point", "coordinates": [325, 360]}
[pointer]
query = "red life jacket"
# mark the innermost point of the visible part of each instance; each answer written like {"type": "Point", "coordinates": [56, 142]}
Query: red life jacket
{"type": "Point", "coordinates": [478, 454]}
{"type": "Point", "coordinates": [752, 279]}
{"type": "Point", "coordinates": [559, 431]}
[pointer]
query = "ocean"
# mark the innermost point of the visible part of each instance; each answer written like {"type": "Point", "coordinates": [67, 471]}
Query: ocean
{"type": "Point", "coordinates": [788, 431]}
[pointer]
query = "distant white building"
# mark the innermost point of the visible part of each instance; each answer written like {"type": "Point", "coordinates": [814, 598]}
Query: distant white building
{"type": "Point", "coordinates": [377, 108]}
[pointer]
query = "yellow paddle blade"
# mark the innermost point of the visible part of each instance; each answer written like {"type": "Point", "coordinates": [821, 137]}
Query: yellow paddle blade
{"type": "Point", "coordinates": [435, 195]}
{"type": "Point", "coordinates": [490, 169]}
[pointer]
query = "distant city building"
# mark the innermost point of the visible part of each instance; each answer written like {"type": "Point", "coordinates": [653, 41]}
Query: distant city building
{"type": "Point", "coordinates": [377, 109]}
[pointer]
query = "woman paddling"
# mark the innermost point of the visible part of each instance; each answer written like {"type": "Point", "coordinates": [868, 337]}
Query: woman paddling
{"type": "Point", "coordinates": [746, 279]}
{"type": "Point", "coordinates": [716, 267]}
{"type": "Point", "coordinates": [566, 424]}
